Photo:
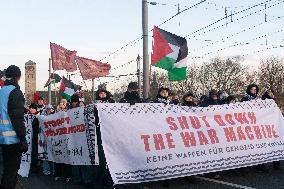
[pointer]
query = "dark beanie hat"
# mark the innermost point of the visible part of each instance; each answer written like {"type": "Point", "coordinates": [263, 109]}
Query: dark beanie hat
{"type": "Point", "coordinates": [133, 86]}
{"type": "Point", "coordinates": [13, 72]}
{"type": "Point", "coordinates": [75, 98]}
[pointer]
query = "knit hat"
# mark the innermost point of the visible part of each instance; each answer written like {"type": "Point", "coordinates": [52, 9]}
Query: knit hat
{"type": "Point", "coordinates": [13, 72]}
{"type": "Point", "coordinates": [75, 98]}
{"type": "Point", "coordinates": [164, 88]}
{"type": "Point", "coordinates": [133, 86]}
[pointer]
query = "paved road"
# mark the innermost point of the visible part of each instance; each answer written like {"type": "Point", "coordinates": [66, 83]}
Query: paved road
{"type": "Point", "coordinates": [229, 180]}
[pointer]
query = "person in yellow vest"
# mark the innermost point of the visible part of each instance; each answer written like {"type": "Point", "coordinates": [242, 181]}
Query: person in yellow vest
{"type": "Point", "coordinates": [12, 127]}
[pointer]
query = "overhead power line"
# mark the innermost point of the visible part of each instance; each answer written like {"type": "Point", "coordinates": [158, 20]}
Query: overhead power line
{"type": "Point", "coordinates": [235, 34]}
{"type": "Point", "coordinates": [223, 18]}
{"type": "Point", "coordinates": [140, 37]}
{"type": "Point", "coordinates": [238, 19]}
{"type": "Point", "coordinates": [236, 44]}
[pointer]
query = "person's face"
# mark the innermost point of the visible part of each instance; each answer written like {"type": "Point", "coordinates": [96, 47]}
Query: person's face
{"type": "Point", "coordinates": [32, 111]}
{"type": "Point", "coordinates": [215, 97]}
{"type": "Point", "coordinates": [64, 102]}
{"type": "Point", "coordinates": [270, 93]}
{"type": "Point", "coordinates": [253, 90]}
{"type": "Point", "coordinates": [102, 95]}
{"type": "Point", "coordinates": [40, 102]}
{"type": "Point", "coordinates": [189, 98]}
{"type": "Point", "coordinates": [133, 90]}
{"type": "Point", "coordinates": [82, 104]}
{"type": "Point", "coordinates": [164, 93]}
{"type": "Point", "coordinates": [75, 104]}
{"type": "Point", "coordinates": [176, 97]}
{"type": "Point", "coordinates": [49, 111]}
{"type": "Point", "coordinates": [62, 105]}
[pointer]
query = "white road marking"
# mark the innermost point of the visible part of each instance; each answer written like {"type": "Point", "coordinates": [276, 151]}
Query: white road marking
{"type": "Point", "coordinates": [224, 183]}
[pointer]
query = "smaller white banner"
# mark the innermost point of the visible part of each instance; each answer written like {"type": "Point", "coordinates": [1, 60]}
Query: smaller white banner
{"type": "Point", "coordinates": [26, 157]}
{"type": "Point", "coordinates": [68, 137]}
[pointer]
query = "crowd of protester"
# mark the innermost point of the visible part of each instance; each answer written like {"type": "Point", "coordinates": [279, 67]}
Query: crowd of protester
{"type": "Point", "coordinates": [99, 175]}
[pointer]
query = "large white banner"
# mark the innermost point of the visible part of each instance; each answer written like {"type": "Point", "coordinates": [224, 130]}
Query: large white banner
{"type": "Point", "coordinates": [26, 157]}
{"type": "Point", "coordinates": [148, 142]}
{"type": "Point", "coordinates": [69, 137]}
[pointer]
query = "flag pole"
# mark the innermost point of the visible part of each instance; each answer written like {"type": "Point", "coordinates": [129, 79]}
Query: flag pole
{"type": "Point", "coordinates": [139, 73]}
{"type": "Point", "coordinates": [55, 93]}
{"type": "Point", "coordinates": [49, 86]}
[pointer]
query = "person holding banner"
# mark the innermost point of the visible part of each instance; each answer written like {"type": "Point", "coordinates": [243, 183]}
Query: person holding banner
{"type": "Point", "coordinates": [251, 93]}
{"type": "Point", "coordinates": [188, 100]}
{"type": "Point", "coordinates": [35, 127]}
{"type": "Point", "coordinates": [132, 94]}
{"type": "Point", "coordinates": [12, 127]}
{"type": "Point", "coordinates": [40, 105]}
{"type": "Point", "coordinates": [214, 98]}
{"type": "Point", "coordinates": [163, 96]}
{"type": "Point", "coordinates": [102, 176]}
{"type": "Point", "coordinates": [104, 96]}
{"type": "Point", "coordinates": [269, 94]}
{"type": "Point", "coordinates": [82, 174]}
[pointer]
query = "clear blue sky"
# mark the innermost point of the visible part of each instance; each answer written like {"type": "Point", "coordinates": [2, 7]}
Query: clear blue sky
{"type": "Point", "coordinates": [97, 27]}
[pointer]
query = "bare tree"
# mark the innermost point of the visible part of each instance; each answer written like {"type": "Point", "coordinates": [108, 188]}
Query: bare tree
{"type": "Point", "coordinates": [271, 73]}
{"type": "Point", "coordinates": [179, 87]}
{"type": "Point", "coordinates": [224, 74]}
{"type": "Point", "coordinates": [220, 74]}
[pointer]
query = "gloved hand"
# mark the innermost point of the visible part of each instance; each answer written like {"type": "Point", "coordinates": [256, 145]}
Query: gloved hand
{"type": "Point", "coordinates": [24, 146]}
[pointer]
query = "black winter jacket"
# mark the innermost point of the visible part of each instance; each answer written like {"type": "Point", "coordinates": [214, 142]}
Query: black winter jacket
{"type": "Point", "coordinates": [16, 110]}
{"type": "Point", "coordinates": [131, 97]}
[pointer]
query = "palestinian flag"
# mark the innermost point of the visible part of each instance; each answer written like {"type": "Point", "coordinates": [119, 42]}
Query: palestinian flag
{"type": "Point", "coordinates": [54, 78]}
{"type": "Point", "coordinates": [170, 53]}
{"type": "Point", "coordinates": [68, 88]}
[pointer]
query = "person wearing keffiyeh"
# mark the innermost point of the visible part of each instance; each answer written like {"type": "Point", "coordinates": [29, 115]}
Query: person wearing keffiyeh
{"type": "Point", "coordinates": [163, 96]}
{"type": "Point", "coordinates": [251, 93]}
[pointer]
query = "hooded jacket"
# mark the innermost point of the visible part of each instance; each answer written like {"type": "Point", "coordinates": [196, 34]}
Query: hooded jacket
{"type": "Point", "coordinates": [266, 96]}
{"type": "Point", "coordinates": [229, 99]}
{"type": "Point", "coordinates": [211, 101]}
{"type": "Point", "coordinates": [131, 97]}
{"type": "Point", "coordinates": [248, 96]}
{"type": "Point", "coordinates": [188, 103]}
{"type": "Point", "coordinates": [203, 101]}
{"type": "Point", "coordinates": [107, 99]}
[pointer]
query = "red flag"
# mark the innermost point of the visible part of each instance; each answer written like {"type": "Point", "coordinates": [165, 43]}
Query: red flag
{"type": "Point", "coordinates": [91, 69]}
{"type": "Point", "coordinates": [62, 59]}
{"type": "Point", "coordinates": [36, 97]}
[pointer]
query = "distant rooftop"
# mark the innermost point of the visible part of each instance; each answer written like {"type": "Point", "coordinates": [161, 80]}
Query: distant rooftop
{"type": "Point", "coordinates": [30, 63]}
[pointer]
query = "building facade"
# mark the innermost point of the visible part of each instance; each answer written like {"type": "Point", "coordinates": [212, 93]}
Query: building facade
{"type": "Point", "coordinates": [30, 81]}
